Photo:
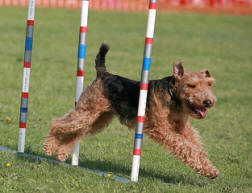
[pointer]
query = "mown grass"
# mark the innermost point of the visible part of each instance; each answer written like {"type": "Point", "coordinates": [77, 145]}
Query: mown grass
{"type": "Point", "coordinates": [219, 43]}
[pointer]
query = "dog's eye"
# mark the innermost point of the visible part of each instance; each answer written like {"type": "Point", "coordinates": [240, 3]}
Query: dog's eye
{"type": "Point", "coordinates": [191, 85]}
{"type": "Point", "coordinates": [210, 83]}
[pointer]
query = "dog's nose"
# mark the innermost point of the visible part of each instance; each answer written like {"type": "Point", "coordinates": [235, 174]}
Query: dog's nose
{"type": "Point", "coordinates": [207, 103]}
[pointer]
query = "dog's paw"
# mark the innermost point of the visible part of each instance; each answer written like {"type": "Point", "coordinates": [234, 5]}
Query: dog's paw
{"type": "Point", "coordinates": [47, 150]}
{"type": "Point", "coordinates": [61, 157]}
{"type": "Point", "coordinates": [210, 172]}
{"type": "Point", "coordinates": [50, 145]}
{"type": "Point", "coordinates": [62, 153]}
{"type": "Point", "coordinates": [214, 173]}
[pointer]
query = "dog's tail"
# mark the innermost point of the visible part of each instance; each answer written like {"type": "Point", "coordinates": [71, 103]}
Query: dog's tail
{"type": "Point", "coordinates": [100, 59]}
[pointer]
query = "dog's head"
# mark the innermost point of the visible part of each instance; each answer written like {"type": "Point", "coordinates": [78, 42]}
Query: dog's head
{"type": "Point", "coordinates": [193, 90]}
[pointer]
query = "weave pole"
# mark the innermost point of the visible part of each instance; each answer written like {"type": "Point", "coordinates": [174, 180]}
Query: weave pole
{"type": "Point", "coordinates": [143, 90]}
{"type": "Point", "coordinates": [26, 75]}
{"type": "Point", "coordinates": [80, 68]}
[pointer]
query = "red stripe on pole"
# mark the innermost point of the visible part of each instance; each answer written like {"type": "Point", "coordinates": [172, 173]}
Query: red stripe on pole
{"type": "Point", "coordinates": [140, 119]}
{"type": "Point", "coordinates": [144, 86]}
{"type": "Point", "coordinates": [80, 73]}
{"type": "Point", "coordinates": [152, 5]}
{"type": "Point", "coordinates": [30, 22]}
{"type": "Point", "coordinates": [83, 29]}
{"type": "Point", "coordinates": [22, 125]}
{"type": "Point", "coordinates": [148, 40]}
{"type": "Point", "coordinates": [25, 95]}
{"type": "Point", "coordinates": [27, 64]}
{"type": "Point", "coordinates": [137, 152]}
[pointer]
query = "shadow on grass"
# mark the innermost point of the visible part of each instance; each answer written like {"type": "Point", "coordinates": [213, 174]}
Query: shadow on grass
{"type": "Point", "coordinates": [109, 167]}
{"type": "Point", "coordinates": [143, 173]}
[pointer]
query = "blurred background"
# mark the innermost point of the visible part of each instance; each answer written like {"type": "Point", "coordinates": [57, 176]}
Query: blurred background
{"type": "Point", "coordinates": [209, 6]}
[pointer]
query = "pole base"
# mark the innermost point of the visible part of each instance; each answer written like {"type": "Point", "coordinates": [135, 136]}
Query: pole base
{"type": "Point", "coordinates": [75, 155]}
{"type": "Point", "coordinates": [135, 168]}
{"type": "Point", "coordinates": [21, 140]}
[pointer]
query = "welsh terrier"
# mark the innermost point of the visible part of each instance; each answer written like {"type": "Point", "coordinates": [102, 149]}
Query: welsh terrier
{"type": "Point", "coordinates": [171, 100]}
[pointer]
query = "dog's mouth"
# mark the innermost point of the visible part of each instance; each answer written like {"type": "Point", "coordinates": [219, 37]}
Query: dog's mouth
{"type": "Point", "coordinates": [199, 111]}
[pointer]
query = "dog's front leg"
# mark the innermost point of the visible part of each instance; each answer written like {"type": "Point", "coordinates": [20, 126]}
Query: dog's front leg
{"type": "Point", "coordinates": [186, 151]}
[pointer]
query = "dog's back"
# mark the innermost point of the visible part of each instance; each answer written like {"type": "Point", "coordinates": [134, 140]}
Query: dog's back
{"type": "Point", "coordinates": [123, 93]}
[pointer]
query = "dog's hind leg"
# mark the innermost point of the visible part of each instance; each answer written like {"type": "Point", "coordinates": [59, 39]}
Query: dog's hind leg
{"type": "Point", "coordinates": [69, 140]}
{"type": "Point", "coordinates": [69, 129]}
{"type": "Point", "coordinates": [78, 122]}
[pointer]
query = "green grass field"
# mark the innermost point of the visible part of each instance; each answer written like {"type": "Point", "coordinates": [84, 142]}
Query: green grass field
{"type": "Point", "coordinates": [222, 44]}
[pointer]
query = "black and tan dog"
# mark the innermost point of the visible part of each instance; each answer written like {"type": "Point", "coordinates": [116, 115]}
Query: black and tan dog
{"type": "Point", "coordinates": [170, 102]}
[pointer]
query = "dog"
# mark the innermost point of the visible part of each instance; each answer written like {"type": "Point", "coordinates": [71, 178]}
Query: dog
{"type": "Point", "coordinates": [170, 102]}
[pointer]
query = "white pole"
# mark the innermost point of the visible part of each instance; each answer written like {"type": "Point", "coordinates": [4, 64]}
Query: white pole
{"type": "Point", "coordinates": [80, 68]}
{"type": "Point", "coordinates": [26, 76]}
{"type": "Point", "coordinates": [143, 90]}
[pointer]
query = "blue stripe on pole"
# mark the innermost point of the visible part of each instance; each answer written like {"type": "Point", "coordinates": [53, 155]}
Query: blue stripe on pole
{"type": "Point", "coordinates": [24, 110]}
{"type": "Point", "coordinates": [28, 43]}
{"type": "Point", "coordinates": [138, 136]}
{"type": "Point", "coordinates": [146, 63]}
{"type": "Point", "coordinates": [82, 51]}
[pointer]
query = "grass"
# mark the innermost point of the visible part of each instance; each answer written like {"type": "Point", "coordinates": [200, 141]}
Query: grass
{"type": "Point", "coordinates": [219, 43]}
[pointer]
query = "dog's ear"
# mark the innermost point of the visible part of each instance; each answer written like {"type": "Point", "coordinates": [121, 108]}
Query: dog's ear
{"type": "Point", "coordinates": [178, 69]}
{"type": "Point", "coordinates": [206, 73]}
